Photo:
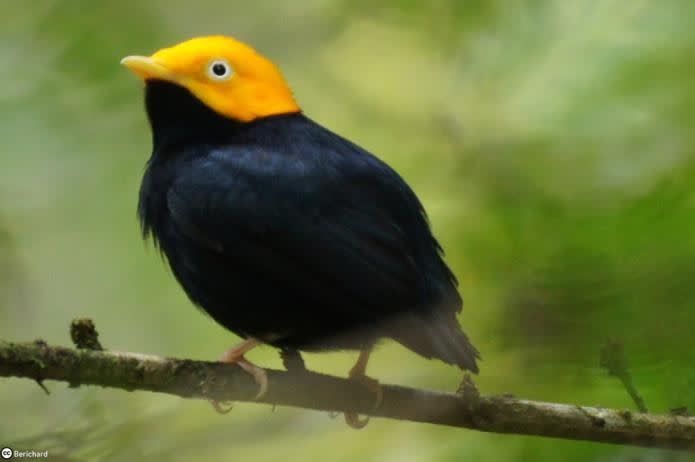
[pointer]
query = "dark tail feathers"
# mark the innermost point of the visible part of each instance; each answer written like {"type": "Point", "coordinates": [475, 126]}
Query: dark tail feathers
{"type": "Point", "coordinates": [438, 335]}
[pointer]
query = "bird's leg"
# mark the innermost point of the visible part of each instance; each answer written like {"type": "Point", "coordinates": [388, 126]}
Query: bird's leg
{"type": "Point", "coordinates": [235, 355]}
{"type": "Point", "coordinates": [360, 367]}
{"type": "Point", "coordinates": [359, 374]}
{"type": "Point", "coordinates": [292, 360]}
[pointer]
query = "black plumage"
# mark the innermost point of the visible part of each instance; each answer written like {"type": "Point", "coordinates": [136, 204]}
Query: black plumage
{"type": "Point", "coordinates": [286, 232]}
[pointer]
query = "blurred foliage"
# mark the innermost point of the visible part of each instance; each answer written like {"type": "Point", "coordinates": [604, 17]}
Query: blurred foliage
{"type": "Point", "coordinates": [551, 142]}
{"type": "Point", "coordinates": [13, 285]}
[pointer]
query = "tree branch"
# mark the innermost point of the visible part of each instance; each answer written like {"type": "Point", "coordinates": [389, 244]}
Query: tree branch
{"type": "Point", "coordinates": [222, 382]}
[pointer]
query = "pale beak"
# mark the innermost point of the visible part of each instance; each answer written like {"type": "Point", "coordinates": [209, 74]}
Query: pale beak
{"type": "Point", "coordinates": [147, 68]}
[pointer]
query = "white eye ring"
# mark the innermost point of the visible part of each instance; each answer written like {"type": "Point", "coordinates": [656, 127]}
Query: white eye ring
{"type": "Point", "coordinates": [220, 69]}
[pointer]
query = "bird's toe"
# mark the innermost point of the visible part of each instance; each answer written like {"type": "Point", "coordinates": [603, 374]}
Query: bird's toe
{"type": "Point", "coordinates": [352, 418]}
{"type": "Point", "coordinates": [259, 375]}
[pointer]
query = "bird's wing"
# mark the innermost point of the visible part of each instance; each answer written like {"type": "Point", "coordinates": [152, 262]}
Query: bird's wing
{"type": "Point", "coordinates": [354, 239]}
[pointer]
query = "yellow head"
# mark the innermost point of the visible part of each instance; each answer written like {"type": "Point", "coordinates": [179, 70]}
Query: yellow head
{"type": "Point", "coordinates": [226, 75]}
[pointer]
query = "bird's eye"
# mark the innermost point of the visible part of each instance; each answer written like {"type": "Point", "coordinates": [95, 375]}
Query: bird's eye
{"type": "Point", "coordinates": [219, 69]}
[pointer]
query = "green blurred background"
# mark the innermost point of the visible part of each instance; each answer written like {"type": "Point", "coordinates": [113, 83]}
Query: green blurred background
{"type": "Point", "coordinates": [552, 143]}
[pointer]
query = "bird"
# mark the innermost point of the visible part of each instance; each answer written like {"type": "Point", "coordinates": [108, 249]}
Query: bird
{"type": "Point", "coordinates": [284, 232]}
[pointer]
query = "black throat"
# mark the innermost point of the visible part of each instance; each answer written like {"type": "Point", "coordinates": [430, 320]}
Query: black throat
{"type": "Point", "coordinates": [177, 116]}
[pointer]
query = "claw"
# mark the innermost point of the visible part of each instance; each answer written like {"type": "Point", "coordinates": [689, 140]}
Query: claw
{"type": "Point", "coordinates": [358, 374]}
{"type": "Point", "coordinates": [235, 355]}
{"type": "Point", "coordinates": [352, 419]}
{"type": "Point", "coordinates": [220, 407]}
{"type": "Point", "coordinates": [258, 374]}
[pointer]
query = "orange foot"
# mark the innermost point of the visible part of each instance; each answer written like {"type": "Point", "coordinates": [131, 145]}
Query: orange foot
{"type": "Point", "coordinates": [358, 374]}
{"type": "Point", "coordinates": [235, 355]}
